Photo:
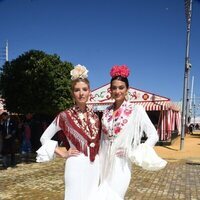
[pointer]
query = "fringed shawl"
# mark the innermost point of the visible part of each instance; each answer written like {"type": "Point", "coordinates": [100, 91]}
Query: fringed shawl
{"type": "Point", "coordinates": [133, 121]}
{"type": "Point", "coordinates": [80, 136]}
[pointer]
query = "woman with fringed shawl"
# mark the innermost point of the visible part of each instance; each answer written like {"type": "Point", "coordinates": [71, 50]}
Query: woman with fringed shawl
{"type": "Point", "coordinates": [81, 128]}
{"type": "Point", "coordinates": [123, 125]}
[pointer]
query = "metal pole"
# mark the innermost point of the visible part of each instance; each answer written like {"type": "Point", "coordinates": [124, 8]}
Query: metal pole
{"type": "Point", "coordinates": [188, 12]}
{"type": "Point", "coordinates": [7, 50]}
{"type": "Point", "coordinates": [191, 96]}
{"type": "Point", "coordinates": [183, 112]}
{"type": "Point", "coordinates": [194, 110]}
{"type": "Point", "coordinates": [192, 88]}
{"type": "Point", "coordinates": [187, 99]}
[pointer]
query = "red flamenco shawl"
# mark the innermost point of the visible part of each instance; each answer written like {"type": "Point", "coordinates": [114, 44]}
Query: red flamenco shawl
{"type": "Point", "coordinates": [78, 136]}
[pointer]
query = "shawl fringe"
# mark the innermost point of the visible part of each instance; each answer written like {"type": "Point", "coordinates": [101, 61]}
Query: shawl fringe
{"type": "Point", "coordinates": [77, 136]}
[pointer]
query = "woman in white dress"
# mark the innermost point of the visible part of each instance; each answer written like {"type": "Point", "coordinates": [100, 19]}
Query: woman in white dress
{"type": "Point", "coordinates": [81, 128]}
{"type": "Point", "coordinates": [123, 125]}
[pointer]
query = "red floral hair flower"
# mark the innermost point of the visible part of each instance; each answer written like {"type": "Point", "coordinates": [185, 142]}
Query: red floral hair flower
{"type": "Point", "coordinates": [117, 70]}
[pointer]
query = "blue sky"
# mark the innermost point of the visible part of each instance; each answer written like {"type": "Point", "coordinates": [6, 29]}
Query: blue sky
{"type": "Point", "coordinates": [148, 36]}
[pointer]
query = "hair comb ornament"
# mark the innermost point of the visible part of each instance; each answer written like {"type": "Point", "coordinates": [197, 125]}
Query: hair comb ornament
{"type": "Point", "coordinates": [117, 70]}
{"type": "Point", "coordinates": [79, 72]}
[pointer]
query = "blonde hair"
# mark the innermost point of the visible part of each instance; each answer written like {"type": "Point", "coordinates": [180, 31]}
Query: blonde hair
{"type": "Point", "coordinates": [84, 80]}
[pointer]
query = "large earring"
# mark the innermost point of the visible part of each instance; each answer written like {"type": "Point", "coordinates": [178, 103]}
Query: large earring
{"type": "Point", "coordinates": [127, 97]}
{"type": "Point", "coordinates": [74, 102]}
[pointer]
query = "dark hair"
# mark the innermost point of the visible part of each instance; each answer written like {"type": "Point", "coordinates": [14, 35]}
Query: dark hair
{"type": "Point", "coordinates": [120, 78]}
{"type": "Point", "coordinates": [85, 80]}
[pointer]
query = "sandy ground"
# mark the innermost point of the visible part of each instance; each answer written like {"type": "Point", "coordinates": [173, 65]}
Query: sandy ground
{"type": "Point", "coordinates": [190, 150]}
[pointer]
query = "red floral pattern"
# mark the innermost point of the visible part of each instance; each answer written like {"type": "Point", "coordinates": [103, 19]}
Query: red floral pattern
{"type": "Point", "coordinates": [89, 125]}
{"type": "Point", "coordinates": [112, 126]}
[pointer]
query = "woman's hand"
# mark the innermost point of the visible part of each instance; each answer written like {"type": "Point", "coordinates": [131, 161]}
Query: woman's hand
{"type": "Point", "coordinates": [64, 153]}
{"type": "Point", "coordinates": [72, 152]}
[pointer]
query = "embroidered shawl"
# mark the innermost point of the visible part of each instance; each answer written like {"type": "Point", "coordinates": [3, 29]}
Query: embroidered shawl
{"type": "Point", "coordinates": [123, 131]}
{"type": "Point", "coordinates": [82, 133]}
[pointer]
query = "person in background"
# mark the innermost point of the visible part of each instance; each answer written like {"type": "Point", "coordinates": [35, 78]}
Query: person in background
{"type": "Point", "coordinates": [26, 147]}
{"type": "Point", "coordinates": [191, 128]}
{"type": "Point", "coordinates": [123, 125]}
{"type": "Point", "coordinates": [8, 132]}
{"type": "Point", "coordinates": [196, 126]}
{"type": "Point", "coordinates": [80, 126]}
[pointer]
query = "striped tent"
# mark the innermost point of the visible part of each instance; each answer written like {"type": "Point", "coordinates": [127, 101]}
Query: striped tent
{"type": "Point", "coordinates": [169, 113]}
{"type": "Point", "coordinates": [158, 105]}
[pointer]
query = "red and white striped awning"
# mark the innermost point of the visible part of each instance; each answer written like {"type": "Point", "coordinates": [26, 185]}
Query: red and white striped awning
{"type": "Point", "coordinates": [158, 105]}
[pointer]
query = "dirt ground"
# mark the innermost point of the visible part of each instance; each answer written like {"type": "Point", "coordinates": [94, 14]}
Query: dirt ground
{"type": "Point", "coordinates": [45, 180]}
{"type": "Point", "coordinates": [190, 149]}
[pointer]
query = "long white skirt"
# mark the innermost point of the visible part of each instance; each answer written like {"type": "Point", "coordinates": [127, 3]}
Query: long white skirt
{"type": "Point", "coordinates": [116, 175]}
{"type": "Point", "coordinates": [81, 177]}
{"type": "Point", "coordinates": [121, 176]}
{"type": "Point", "coordinates": [114, 187]}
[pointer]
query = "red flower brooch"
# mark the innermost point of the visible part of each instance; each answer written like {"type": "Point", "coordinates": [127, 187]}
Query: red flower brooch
{"type": "Point", "coordinates": [122, 70]}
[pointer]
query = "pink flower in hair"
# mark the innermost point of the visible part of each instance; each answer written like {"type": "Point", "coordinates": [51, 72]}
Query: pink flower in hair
{"type": "Point", "coordinates": [122, 70]}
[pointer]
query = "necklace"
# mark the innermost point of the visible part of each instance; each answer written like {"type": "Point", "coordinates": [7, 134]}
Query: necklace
{"type": "Point", "coordinates": [87, 121]}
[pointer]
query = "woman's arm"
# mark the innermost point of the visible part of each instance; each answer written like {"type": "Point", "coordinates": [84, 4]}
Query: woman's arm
{"type": "Point", "coordinates": [51, 130]}
{"type": "Point", "coordinates": [48, 149]}
{"type": "Point", "coordinates": [148, 128]}
{"type": "Point", "coordinates": [144, 155]}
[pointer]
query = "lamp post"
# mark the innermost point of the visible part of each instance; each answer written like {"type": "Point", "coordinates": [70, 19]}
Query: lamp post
{"type": "Point", "coordinates": [184, 116]}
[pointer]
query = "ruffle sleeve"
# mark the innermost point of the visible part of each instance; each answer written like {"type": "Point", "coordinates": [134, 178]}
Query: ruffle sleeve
{"type": "Point", "coordinates": [146, 157]}
{"type": "Point", "coordinates": [46, 151]}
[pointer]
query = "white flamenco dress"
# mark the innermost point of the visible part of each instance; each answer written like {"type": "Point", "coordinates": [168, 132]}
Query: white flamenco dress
{"type": "Point", "coordinates": [122, 134]}
{"type": "Point", "coordinates": [81, 175]}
